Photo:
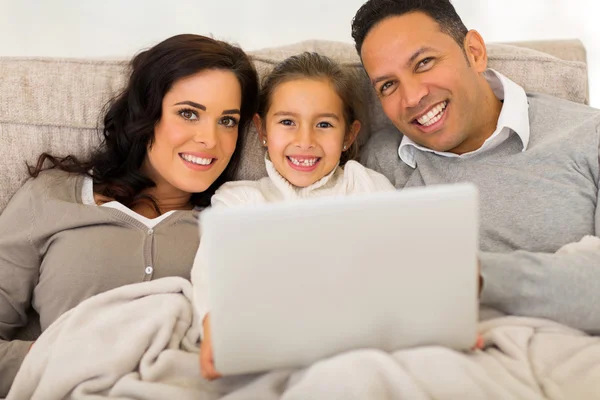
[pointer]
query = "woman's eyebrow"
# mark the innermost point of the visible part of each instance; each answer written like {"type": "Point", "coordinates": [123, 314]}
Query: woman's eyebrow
{"type": "Point", "coordinates": [191, 103]}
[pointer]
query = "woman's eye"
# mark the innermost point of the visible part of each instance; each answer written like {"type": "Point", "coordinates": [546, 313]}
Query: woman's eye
{"type": "Point", "coordinates": [189, 115]}
{"type": "Point", "coordinates": [286, 122]}
{"type": "Point", "coordinates": [324, 125]}
{"type": "Point", "coordinates": [229, 122]}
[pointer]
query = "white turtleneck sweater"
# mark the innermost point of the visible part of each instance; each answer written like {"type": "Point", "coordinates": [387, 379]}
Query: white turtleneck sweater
{"type": "Point", "coordinates": [354, 178]}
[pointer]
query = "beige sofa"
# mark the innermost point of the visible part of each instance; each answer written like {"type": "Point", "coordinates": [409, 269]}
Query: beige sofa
{"type": "Point", "coordinates": [54, 104]}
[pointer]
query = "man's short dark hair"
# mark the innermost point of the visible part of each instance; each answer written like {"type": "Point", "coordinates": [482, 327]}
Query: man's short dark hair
{"type": "Point", "coordinates": [375, 11]}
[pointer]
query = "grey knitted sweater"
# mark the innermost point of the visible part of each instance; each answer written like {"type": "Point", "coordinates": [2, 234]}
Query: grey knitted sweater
{"type": "Point", "coordinates": [532, 203]}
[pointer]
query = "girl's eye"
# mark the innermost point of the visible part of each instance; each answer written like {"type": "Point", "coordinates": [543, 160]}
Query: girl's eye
{"type": "Point", "coordinates": [286, 122]}
{"type": "Point", "coordinates": [188, 114]}
{"type": "Point", "coordinates": [324, 125]}
{"type": "Point", "coordinates": [229, 122]}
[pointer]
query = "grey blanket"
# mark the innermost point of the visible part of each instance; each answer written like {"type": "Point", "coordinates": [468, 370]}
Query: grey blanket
{"type": "Point", "coordinates": [140, 342]}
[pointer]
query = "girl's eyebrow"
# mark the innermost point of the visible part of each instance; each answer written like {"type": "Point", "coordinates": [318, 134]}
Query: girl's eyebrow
{"type": "Point", "coordinates": [329, 115]}
{"type": "Point", "coordinates": [293, 114]}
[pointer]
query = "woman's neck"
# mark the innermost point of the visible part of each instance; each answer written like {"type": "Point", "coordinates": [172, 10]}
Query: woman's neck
{"type": "Point", "coordinates": [166, 196]}
{"type": "Point", "coordinates": [166, 201]}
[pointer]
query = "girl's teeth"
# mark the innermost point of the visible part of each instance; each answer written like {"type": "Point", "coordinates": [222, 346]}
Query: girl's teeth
{"type": "Point", "coordinates": [196, 160]}
{"type": "Point", "coordinates": [304, 162]}
{"type": "Point", "coordinates": [433, 116]}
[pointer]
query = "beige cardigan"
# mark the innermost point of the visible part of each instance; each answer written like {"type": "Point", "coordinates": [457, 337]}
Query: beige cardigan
{"type": "Point", "coordinates": [56, 251]}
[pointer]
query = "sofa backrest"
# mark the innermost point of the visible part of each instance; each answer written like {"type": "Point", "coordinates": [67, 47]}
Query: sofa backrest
{"type": "Point", "coordinates": [54, 105]}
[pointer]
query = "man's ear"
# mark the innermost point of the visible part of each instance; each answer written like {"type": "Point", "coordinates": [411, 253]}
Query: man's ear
{"type": "Point", "coordinates": [476, 51]}
{"type": "Point", "coordinates": [352, 134]}
{"type": "Point", "coordinates": [259, 128]}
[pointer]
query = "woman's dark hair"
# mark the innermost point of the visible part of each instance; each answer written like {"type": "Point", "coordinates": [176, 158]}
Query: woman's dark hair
{"type": "Point", "coordinates": [375, 11]}
{"type": "Point", "coordinates": [131, 117]}
{"type": "Point", "coordinates": [316, 66]}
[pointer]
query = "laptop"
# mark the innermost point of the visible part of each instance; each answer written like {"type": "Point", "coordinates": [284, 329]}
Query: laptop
{"type": "Point", "coordinates": [295, 282]}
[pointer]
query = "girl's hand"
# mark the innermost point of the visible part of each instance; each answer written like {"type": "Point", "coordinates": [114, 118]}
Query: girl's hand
{"type": "Point", "coordinates": [479, 343]}
{"type": "Point", "coordinates": [207, 362]}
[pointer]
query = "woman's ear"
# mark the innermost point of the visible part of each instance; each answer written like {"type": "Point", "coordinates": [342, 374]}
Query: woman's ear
{"type": "Point", "coordinates": [259, 128]}
{"type": "Point", "coordinates": [352, 134]}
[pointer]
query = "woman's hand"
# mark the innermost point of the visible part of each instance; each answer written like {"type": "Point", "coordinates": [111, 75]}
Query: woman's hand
{"type": "Point", "coordinates": [207, 362]}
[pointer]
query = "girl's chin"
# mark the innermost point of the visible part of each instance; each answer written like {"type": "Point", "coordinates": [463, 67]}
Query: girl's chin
{"type": "Point", "coordinates": [302, 183]}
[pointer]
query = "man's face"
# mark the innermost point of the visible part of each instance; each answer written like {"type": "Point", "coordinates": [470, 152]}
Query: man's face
{"type": "Point", "coordinates": [426, 86]}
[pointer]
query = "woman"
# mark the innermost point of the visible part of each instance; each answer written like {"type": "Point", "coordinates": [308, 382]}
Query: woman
{"type": "Point", "coordinates": [128, 214]}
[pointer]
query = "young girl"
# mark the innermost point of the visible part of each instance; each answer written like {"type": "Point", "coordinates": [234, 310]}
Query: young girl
{"type": "Point", "coordinates": [308, 121]}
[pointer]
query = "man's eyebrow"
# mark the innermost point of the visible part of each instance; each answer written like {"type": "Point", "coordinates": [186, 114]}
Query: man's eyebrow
{"type": "Point", "coordinates": [191, 103]}
{"type": "Point", "coordinates": [375, 81]}
{"type": "Point", "coordinates": [411, 60]}
{"type": "Point", "coordinates": [417, 54]}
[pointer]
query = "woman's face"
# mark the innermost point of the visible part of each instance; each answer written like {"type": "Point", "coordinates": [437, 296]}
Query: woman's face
{"type": "Point", "coordinates": [197, 133]}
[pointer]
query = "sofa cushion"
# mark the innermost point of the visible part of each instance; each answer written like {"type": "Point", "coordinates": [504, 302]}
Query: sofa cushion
{"type": "Point", "coordinates": [54, 105]}
{"type": "Point", "coordinates": [532, 69]}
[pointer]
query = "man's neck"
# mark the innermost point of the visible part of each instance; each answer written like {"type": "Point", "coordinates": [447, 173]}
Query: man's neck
{"type": "Point", "coordinates": [491, 107]}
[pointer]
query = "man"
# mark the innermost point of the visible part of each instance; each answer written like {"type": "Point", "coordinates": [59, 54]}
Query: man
{"type": "Point", "coordinates": [534, 157]}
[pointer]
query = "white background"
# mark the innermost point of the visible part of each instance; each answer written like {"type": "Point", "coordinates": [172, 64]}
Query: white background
{"type": "Point", "coordinates": [120, 28]}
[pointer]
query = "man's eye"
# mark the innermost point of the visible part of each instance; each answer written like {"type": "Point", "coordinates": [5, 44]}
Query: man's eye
{"type": "Point", "coordinates": [424, 62]}
{"type": "Point", "coordinates": [385, 86]}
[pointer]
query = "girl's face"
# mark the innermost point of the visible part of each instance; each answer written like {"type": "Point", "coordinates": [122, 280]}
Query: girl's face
{"type": "Point", "coordinates": [197, 132]}
{"type": "Point", "coordinates": [305, 130]}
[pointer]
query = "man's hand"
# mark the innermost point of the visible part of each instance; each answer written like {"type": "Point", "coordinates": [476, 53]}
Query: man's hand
{"type": "Point", "coordinates": [480, 277]}
{"type": "Point", "coordinates": [479, 344]}
{"type": "Point", "coordinates": [207, 362]}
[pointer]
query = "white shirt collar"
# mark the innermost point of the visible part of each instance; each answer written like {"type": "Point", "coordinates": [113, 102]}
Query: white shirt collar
{"type": "Point", "coordinates": [514, 117]}
{"type": "Point", "coordinates": [291, 191]}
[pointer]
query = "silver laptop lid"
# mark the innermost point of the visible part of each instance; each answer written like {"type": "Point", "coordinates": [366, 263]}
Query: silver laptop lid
{"type": "Point", "coordinates": [294, 282]}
